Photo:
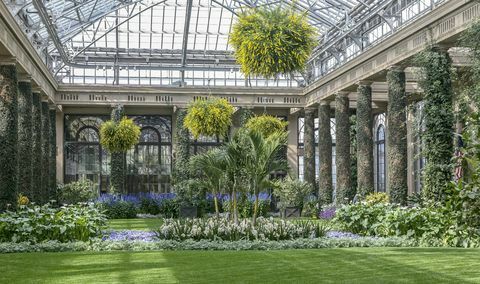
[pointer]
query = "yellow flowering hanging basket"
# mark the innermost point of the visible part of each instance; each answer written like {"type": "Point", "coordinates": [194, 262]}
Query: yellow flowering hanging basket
{"type": "Point", "coordinates": [211, 117]}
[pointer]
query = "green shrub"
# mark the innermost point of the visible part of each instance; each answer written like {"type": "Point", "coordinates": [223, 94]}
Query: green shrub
{"type": "Point", "coordinates": [292, 192]}
{"type": "Point", "coordinates": [246, 206]}
{"type": "Point", "coordinates": [120, 210]}
{"type": "Point", "coordinates": [169, 208]}
{"type": "Point", "coordinates": [36, 224]}
{"type": "Point", "coordinates": [83, 190]}
{"type": "Point", "coordinates": [378, 197]}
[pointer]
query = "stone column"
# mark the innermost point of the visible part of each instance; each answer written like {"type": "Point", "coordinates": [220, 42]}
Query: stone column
{"type": "Point", "coordinates": [36, 147]}
{"type": "Point", "coordinates": [325, 185]}
{"type": "Point", "coordinates": [364, 140]}
{"type": "Point", "coordinates": [117, 170]}
{"type": "Point", "coordinates": [309, 146]}
{"type": "Point", "coordinates": [292, 144]}
{"type": "Point", "coordinates": [52, 163]}
{"type": "Point", "coordinates": [397, 177]}
{"type": "Point", "coordinates": [342, 130]}
{"type": "Point", "coordinates": [8, 135]}
{"type": "Point", "coordinates": [25, 153]}
{"type": "Point", "coordinates": [59, 126]}
{"type": "Point", "coordinates": [46, 190]}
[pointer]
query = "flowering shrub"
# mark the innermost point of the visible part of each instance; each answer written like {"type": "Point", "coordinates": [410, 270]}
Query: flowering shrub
{"type": "Point", "coordinates": [223, 229]}
{"type": "Point", "coordinates": [36, 223]}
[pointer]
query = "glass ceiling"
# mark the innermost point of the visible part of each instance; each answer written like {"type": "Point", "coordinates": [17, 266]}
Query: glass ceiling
{"type": "Point", "coordinates": [163, 42]}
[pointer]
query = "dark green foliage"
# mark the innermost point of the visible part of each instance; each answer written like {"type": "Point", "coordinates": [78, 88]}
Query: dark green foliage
{"type": "Point", "coordinates": [439, 121]}
{"type": "Point", "coordinates": [8, 135]}
{"type": "Point", "coordinates": [117, 164]}
{"type": "Point", "coordinates": [53, 154]}
{"type": "Point", "coordinates": [397, 137]}
{"type": "Point", "coordinates": [36, 149]}
{"type": "Point", "coordinates": [309, 146]}
{"type": "Point", "coordinates": [325, 155]}
{"type": "Point", "coordinates": [120, 210]}
{"type": "Point", "coordinates": [353, 156]}
{"type": "Point", "coordinates": [46, 191]}
{"type": "Point", "coordinates": [25, 144]}
{"type": "Point", "coordinates": [182, 149]}
{"type": "Point", "coordinates": [343, 158]}
{"type": "Point", "coordinates": [243, 116]}
{"type": "Point", "coordinates": [365, 140]}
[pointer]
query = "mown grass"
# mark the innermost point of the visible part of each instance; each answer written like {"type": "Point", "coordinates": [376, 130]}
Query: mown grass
{"type": "Point", "coordinates": [144, 224]}
{"type": "Point", "coordinates": [352, 265]}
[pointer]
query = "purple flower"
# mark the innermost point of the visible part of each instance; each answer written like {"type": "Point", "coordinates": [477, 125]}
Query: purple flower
{"type": "Point", "coordinates": [337, 234]}
{"type": "Point", "coordinates": [129, 235]}
{"type": "Point", "coordinates": [327, 213]}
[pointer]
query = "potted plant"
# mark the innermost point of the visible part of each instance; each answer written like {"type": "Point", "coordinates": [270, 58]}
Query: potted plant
{"type": "Point", "coordinates": [291, 193]}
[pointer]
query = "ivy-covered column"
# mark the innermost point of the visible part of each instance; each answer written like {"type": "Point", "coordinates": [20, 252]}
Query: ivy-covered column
{"type": "Point", "coordinates": [342, 133]}
{"type": "Point", "coordinates": [182, 148]}
{"type": "Point", "coordinates": [53, 153]}
{"type": "Point", "coordinates": [25, 153]}
{"type": "Point", "coordinates": [397, 161]}
{"type": "Point", "coordinates": [46, 190]}
{"type": "Point", "coordinates": [364, 140]}
{"type": "Point", "coordinates": [325, 185]}
{"type": "Point", "coordinates": [439, 122]}
{"type": "Point", "coordinates": [36, 148]}
{"type": "Point", "coordinates": [117, 165]}
{"type": "Point", "coordinates": [309, 146]}
{"type": "Point", "coordinates": [8, 135]}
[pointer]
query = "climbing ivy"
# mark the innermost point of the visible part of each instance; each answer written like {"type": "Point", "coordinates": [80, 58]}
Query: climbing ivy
{"type": "Point", "coordinates": [397, 183]}
{"type": "Point", "coordinates": [36, 149]}
{"type": "Point", "coordinates": [182, 149]}
{"type": "Point", "coordinates": [117, 164]}
{"type": "Point", "coordinates": [364, 136]}
{"type": "Point", "coordinates": [53, 154]}
{"type": "Point", "coordinates": [325, 185]}
{"type": "Point", "coordinates": [25, 153]}
{"type": "Point", "coordinates": [439, 121]}
{"type": "Point", "coordinates": [8, 135]}
{"type": "Point", "coordinates": [353, 156]}
{"type": "Point", "coordinates": [309, 147]}
{"type": "Point", "coordinates": [45, 187]}
{"type": "Point", "coordinates": [343, 157]}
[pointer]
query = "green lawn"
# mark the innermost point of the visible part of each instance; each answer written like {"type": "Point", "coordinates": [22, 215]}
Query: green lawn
{"type": "Point", "coordinates": [353, 265]}
{"type": "Point", "coordinates": [135, 224]}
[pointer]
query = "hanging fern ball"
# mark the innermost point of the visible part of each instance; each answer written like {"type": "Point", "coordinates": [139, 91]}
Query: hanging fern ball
{"type": "Point", "coordinates": [119, 137]}
{"type": "Point", "coordinates": [266, 124]}
{"type": "Point", "coordinates": [211, 117]}
{"type": "Point", "coordinates": [272, 42]}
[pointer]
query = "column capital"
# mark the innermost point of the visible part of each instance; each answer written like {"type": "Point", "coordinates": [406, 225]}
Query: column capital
{"type": "Point", "coordinates": [24, 78]}
{"type": "Point", "coordinates": [364, 83]}
{"type": "Point", "coordinates": [398, 68]}
{"type": "Point", "coordinates": [342, 94]}
{"type": "Point", "coordinates": [8, 60]}
{"type": "Point", "coordinates": [325, 102]}
{"type": "Point", "coordinates": [309, 109]}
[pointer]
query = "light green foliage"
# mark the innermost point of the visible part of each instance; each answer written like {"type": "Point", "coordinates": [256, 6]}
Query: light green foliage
{"type": "Point", "coordinates": [83, 190]}
{"type": "Point", "coordinates": [266, 124]}
{"type": "Point", "coordinates": [270, 42]}
{"type": "Point", "coordinates": [211, 117]}
{"type": "Point", "coordinates": [377, 197]}
{"type": "Point", "coordinates": [292, 192]}
{"type": "Point", "coordinates": [222, 229]}
{"type": "Point", "coordinates": [37, 224]}
{"type": "Point", "coordinates": [119, 137]}
{"type": "Point", "coordinates": [439, 120]}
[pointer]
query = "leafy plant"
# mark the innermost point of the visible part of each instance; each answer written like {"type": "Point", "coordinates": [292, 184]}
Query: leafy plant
{"type": "Point", "coordinates": [82, 190]}
{"type": "Point", "coordinates": [377, 197]}
{"type": "Point", "coordinates": [266, 124]}
{"type": "Point", "coordinates": [35, 224]}
{"type": "Point", "coordinates": [211, 117]}
{"type": "Point", "coordinates": [272, 42]}
{"type": "Point", "coordinates": [292, 192]}
{"type": "Point", "coordinates": [119, 137]}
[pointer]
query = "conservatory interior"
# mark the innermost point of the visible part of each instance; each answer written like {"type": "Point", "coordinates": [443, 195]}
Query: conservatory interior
{"type": "Point", "coordinates": [246, 125]}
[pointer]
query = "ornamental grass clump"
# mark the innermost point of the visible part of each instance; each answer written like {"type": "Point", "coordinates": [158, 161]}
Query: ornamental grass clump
{"type": "Point", "coordinates": [272, 42]}
{"type": "Point", "coordinates": [119, 137]}
{"type": "Point", "coordinates": [211, 117]}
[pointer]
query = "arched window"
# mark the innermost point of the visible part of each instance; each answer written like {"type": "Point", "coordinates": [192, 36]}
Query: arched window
{"type": "Point", "coordinates": [87, 134]}
{"type": "Point", "coordinates": [380, 159]}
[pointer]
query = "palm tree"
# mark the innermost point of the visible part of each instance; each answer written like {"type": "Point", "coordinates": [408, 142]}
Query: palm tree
{"type": "Point", "coordinates": [262, 159]}
{"type": "Point", "coordinates": [211, 165]}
